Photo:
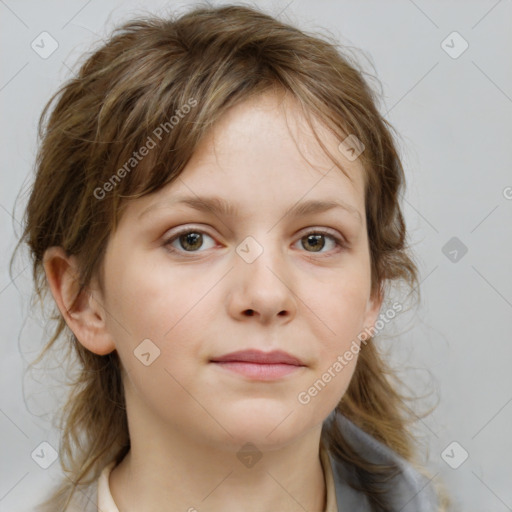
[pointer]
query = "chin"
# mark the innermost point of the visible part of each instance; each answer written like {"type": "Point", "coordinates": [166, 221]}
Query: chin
{"type": "Point", "coordinates": [267, 429]}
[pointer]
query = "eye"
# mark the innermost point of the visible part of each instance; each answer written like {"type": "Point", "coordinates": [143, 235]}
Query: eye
{"type": "Point", "coordinates": [316, 241]}
{"type": "Point", "coordinates": [189, 240]}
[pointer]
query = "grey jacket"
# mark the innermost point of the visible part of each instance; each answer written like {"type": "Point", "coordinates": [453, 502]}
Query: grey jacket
{"type": "Point", "coordinates": [409, 491]}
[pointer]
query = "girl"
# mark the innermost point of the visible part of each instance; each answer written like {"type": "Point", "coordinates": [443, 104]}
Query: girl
{"type": "Point", "coordinates": [216, 215]}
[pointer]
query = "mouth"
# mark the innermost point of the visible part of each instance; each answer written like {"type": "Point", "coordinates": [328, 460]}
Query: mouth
{"type": "Point", "coordinates": [257, 365]}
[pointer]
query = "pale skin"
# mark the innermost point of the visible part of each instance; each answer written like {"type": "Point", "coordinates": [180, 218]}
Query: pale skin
{"type": "Point", "coordinates": [187, 417]}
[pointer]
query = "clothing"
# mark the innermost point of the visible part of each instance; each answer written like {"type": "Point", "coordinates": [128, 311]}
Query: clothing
{"type": "Point", "coordinates": [408, 492]}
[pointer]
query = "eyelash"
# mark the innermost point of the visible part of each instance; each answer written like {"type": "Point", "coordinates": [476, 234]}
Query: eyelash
{"type": "Point", "coordinates": [340, 243]}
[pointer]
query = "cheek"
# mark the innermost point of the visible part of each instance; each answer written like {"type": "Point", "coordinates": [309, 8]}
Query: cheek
{"type": "Point", "coordinates": [149, 300]}
{"type": "Point", "coordinates": [158, 325]}
{"type": "Point", "coordinates": [166, 308]}
{"type": "Point", "coordinates": [347, 314]}
{"type": "Point", "coordinates": [341, 306]}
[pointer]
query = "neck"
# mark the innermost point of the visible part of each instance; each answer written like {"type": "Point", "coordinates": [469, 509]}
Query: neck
{"type": "Point", "coordinates": [176, 473]}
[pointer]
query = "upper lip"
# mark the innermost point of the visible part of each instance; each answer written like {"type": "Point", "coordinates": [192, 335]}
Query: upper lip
{"type": "Point", "coordinates": [259, 357]}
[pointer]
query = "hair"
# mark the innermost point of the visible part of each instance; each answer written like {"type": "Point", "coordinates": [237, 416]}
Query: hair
{"type": "Point", "coordinates": [195, 67]}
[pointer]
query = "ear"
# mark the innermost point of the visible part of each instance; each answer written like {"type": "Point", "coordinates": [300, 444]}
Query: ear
{"type": "Point", "coordinates": [373, 308]}
{"type": "Point", "coordinates": [86, 318]}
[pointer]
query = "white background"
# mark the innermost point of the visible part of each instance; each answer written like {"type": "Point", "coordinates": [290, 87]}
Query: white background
{"type": "Point", "coordinates": [453, 115]}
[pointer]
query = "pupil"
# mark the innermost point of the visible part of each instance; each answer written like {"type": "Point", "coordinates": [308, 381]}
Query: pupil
{"type": "Point", "coordinates": [316, 238]}
{"type": "Point", "coordinates": [192, 239]}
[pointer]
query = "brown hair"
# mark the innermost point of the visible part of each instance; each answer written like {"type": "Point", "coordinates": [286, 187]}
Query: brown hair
{"type": "Point", "coordinates": [211, 59]}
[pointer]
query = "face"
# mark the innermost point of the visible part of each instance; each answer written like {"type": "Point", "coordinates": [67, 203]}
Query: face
{"type": "Point", "coordinates": [198, 284]}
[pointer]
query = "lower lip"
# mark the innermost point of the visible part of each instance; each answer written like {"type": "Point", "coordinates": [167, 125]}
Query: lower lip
{"type": "Point", "coordinates": [259, 371]}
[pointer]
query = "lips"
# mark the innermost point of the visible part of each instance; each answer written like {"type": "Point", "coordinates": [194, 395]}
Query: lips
{"type": "Point", "coordinates": [255, 365]}
{"type": "Point", "coordinates": [258, 357]}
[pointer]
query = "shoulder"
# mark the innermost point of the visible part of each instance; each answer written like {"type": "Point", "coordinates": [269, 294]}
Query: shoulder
{"type": "Point", "coordinates": [96, 496]}
{"type": "Point", "coordinates": [408, 491]}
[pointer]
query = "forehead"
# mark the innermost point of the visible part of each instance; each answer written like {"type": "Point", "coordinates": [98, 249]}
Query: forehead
{"type": "Point", "coordinates": [269, 135]}
{"type": "Point", "coordinates": [262, 154]}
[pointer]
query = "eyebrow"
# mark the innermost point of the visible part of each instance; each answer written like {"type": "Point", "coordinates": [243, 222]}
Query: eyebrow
{"type": "Point", "coordinates": [219, 206]}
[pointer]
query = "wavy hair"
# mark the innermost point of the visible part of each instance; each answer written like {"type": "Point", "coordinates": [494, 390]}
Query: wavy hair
{"type": "Point", "coordinates": [147, 70]}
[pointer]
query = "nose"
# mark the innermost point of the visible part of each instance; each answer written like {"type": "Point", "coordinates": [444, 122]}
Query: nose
{"type": "Point", "coordinates": [263, 288]}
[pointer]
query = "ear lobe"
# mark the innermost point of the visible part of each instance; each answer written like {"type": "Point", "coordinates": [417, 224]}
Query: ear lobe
{"type": "Point", "coordinates": [85, 315]}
